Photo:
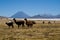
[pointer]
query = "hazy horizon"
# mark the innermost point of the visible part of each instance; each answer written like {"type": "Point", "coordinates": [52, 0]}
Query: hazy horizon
{"type": "Point", "coordinates": [30, 7]}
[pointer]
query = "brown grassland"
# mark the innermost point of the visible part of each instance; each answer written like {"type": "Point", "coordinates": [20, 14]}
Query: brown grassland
{"type": "Point", "coordinates": [39, 31]}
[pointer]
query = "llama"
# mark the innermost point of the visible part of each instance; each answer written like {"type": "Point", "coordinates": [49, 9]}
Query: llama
{"type": "Point", "coordinates": [49, 22]}
{"type": "Point", "coordinates": [10, 23]}
{"type": "Point", "coordinates": [54, 21]}
{"type": "Point", "coordinates": [43, 22]}
{"type": "Point", "coordinates": [29, 23]}
{"type": "Point", "coordinates": [21, 22]}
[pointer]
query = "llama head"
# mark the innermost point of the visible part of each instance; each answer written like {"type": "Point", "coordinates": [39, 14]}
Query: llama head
{"type": "Point", "coordinates": [25, 19]}
{"type": "Point", "coordinates": [13, 18]}
{"type": "Point", "coordinates": [6, 23]}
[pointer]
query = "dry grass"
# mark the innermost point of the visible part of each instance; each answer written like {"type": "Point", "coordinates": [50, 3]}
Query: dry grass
{"type": "Point", "coordinates": [38, 32]}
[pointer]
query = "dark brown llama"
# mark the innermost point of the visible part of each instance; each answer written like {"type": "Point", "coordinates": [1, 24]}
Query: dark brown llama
{"type": "Point", "coordinates": [21, 22]}
{"type": "Point", "coordinates": [49, 22]}
{"type": "Point", "coordinates": [10, 23]}
{"type": "Point", "coordinates": [29, 23]}
{"type": "Point", "coordinates": [43, 22]}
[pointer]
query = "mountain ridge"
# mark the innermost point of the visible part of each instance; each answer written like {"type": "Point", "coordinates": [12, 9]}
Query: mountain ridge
{"type": "Point", "coordinates": [45, 16]}
{"type": "Point", "coordinates": [20, 14]}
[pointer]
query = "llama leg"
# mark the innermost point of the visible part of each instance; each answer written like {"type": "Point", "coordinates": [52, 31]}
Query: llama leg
{"type": "Point", "coordinates": [9, 26]}
{"type": "Point", "coordinates": [22, 25]}
{"type": "Point", "coordinates": [28, 25]}
{"type": "Point", "coordinates": [12, 26]}
{"type": "Point", "coordinates": [31, 25]}
{"type": "Point", "coordinates": [18, 26]}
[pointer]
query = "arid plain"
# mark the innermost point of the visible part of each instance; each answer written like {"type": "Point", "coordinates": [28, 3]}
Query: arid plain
{"type": "Point", "coordinates": [39, 31]}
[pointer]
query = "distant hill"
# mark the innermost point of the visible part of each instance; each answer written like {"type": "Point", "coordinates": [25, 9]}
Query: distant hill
{"type": "Point", "coordinates": [36, 16]}
{"type": "Point", "coordinates": [3, 17]}
{"type": "Point", "coordinates": [42, 16]}
{"type": "Point", "coordinates": [45, 16]}
{"type": "Point", "coordinates": [58, 16]}
{"type": "Point", "coordinates": [20, 14]}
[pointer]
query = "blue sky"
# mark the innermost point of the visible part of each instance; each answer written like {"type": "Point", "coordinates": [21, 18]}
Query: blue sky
{"type": "Point", "coordinates": [30, 7]}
